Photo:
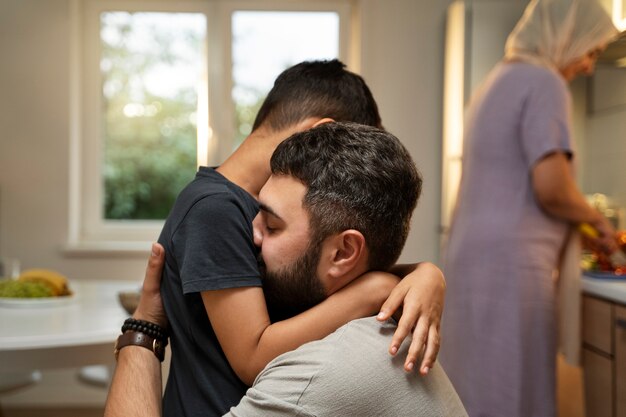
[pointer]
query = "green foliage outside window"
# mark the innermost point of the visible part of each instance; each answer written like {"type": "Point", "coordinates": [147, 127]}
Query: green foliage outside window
{"type": "Point", "coordinates": [150, 136]}
{"type": "Point", "coordinates": [151, 65]}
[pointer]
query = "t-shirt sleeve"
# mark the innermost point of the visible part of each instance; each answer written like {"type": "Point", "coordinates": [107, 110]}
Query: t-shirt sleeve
{"type": "Point", "coordinates": [214, 246]}
{"type": "Point", "coordinates": [280, 387]}
{"type": "Point", "coordinates": [260, 403]}
{"type": "Point", "coordinates": [545, 120]}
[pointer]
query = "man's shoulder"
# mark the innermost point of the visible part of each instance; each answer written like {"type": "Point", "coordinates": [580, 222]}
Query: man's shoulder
{"type": "Point", "coordinates": [362, 335]}
{"type": "Point", "coordinates": [343, 373]}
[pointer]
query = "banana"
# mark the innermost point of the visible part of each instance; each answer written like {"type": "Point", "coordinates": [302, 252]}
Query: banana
{"type": "Point", "coordinates": [55, 281]}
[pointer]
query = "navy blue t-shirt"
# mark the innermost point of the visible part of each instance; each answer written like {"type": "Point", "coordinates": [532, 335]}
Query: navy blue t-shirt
{"type": "Point", "coordinates": [208, 246]}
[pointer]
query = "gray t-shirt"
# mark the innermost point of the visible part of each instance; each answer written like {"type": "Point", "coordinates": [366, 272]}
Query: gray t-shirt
{"type": "Point", "coordinates": [349, 373]}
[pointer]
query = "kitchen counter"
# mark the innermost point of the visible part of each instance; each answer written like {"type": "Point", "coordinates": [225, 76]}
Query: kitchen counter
{"type": "Point", "coordinates": [604, 346]}
{"type": "Point", "coordinates": [613, 290]}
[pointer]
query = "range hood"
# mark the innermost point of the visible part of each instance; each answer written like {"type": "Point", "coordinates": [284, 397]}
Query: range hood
{"type": "Point", "coordinates": [615, 52]}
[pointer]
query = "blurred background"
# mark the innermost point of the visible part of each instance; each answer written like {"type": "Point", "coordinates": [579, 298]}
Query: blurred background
{"type": "Point", "coordinates": [108, 107]}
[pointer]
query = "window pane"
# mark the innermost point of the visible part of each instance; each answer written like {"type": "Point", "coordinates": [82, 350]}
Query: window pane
{"type": "Point", "coordinates": [266, 43]}
{"type": "Point", "coordinates": [152, 66]}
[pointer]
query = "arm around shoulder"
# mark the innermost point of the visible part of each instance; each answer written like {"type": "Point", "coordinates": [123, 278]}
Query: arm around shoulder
{"type": "Point", "coordinates": [250, 341]}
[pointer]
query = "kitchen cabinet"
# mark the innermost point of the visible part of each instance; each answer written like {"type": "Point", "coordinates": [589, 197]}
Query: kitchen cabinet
{"type": "Point", "coordinates": [620, 360]}
{"type": "Point", "coordinates": [604, 357]}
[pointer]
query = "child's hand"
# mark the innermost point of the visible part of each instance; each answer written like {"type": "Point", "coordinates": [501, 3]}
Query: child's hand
{"type": "Point", "coordinates": [421, 294]}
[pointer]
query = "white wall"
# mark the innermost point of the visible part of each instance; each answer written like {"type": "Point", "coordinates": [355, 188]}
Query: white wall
{"type": "Point", "coordinates": [403, 64]}
{"type": "Point", "coordinates": [34, 138]}
{"type": "Point", "coordinates": [402, 61]}
{"type": "Point", "coordinates": [605, 137]}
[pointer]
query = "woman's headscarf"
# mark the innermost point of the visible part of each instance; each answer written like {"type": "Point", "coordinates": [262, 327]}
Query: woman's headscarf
{"type": "Point", "coordinates": [554, 33]}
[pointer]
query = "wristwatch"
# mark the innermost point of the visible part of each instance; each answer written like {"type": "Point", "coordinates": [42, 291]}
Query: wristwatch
{"type": "Point", "coordinates": [131, 337]}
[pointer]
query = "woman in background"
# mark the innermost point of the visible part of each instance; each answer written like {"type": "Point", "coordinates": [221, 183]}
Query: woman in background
{"type": "Point", "coordinates": [517, 201]}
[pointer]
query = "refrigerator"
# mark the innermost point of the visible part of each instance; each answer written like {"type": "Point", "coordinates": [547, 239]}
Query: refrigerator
{"type": "Point", "coordinates": [474, 42]}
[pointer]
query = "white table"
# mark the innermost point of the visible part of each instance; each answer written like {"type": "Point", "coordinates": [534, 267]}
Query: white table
{"type": "Point", "coordinates": [79, 333]}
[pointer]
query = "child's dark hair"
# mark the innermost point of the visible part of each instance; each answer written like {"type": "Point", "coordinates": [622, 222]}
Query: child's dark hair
{"type": "Point", "coordinates": [318, 89]}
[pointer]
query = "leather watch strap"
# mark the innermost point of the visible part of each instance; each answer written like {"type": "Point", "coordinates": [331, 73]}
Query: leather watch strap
{"type": "Point", "coordinates": [134, 338]}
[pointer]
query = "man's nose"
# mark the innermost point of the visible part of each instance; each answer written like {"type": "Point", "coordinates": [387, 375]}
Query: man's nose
{"type": "Point", "coordinates": [257, 230]}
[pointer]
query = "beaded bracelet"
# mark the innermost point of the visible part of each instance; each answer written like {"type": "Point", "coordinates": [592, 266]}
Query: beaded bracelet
{"type": "Point", "coordinates": [151, 329]}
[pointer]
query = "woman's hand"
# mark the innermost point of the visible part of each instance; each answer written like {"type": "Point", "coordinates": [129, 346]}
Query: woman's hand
{"type": "Point", "coordinates": [607, 237]}
{"type": "Point", "coordinates": [419, 299]}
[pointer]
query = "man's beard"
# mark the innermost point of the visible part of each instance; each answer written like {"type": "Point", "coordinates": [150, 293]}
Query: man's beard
{"type": "Point", "coordinates": [295, 287]}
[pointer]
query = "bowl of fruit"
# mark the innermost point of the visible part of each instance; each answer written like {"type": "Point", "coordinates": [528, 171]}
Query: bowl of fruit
{"type": "Point", "coordinates": [35, 287]}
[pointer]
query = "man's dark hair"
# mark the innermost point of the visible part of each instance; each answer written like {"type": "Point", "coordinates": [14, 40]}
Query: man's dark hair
{"type": "Point", "coordinates": [318, 89]}
{"type": "Point", "coordinates": [357, 177]}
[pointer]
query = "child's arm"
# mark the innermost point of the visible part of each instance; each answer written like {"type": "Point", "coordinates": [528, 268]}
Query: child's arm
{"type": "Point", "coordinates": [250, 341]}
{"type": "Point", "coordinates": [421, 294]}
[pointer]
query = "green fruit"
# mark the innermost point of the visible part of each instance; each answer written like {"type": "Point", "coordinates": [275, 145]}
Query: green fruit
{"type": "Point", "coordinates": [23, 289]}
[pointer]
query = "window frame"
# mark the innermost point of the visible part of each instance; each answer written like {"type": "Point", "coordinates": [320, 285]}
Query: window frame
{"type": "Point", "coordinates": [88, 231]}
{"type": "Point", "coordinates": [224, 127]}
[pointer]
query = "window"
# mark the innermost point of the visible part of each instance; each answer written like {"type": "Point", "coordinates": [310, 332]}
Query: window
{"type": "Point", "coordinates": [161, 87]}
{"type": "Point", "coordinates": [257, 61]}
{"type": "Point", "coordinates": [152, 67]}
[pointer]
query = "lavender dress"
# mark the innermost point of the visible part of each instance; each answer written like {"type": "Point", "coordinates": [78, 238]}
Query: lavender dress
{"type": "Point", "coordinates": [499, 334]}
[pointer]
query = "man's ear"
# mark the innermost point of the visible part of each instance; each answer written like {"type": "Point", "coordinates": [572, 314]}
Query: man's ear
{"type": "Point", "coordinates": [347, 254]}
{"type": "Point", "coordinates": [323, 120]}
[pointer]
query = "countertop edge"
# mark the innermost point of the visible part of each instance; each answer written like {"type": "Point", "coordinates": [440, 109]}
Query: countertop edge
{"type": "Point", "coordinates": [613, 290]}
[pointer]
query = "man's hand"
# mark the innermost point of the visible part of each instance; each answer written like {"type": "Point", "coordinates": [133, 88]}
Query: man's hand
{"type": "Point", "coordinates": [136, 386]}
{"type": "Point", "coordinates": [150, 306]}
{"type": "Point", "coordinates": [420, 295]}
